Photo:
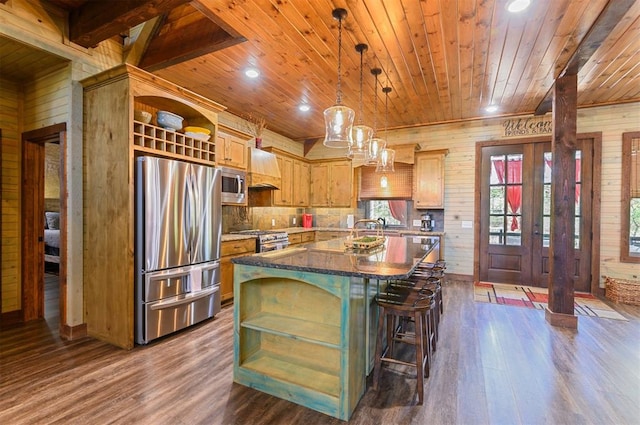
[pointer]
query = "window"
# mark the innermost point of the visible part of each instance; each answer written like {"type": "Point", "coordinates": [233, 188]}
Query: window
{"type": "Point", "coordinates": [505, 215]}
{"type": "Point", "coordinates": [630, 217]}
{"type": "Point", "coordinates": [394, 212]}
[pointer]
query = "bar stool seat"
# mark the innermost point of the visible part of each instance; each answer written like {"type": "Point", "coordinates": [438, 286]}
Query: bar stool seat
{"type": "Point", "coordinates": [433, 284]}
{"type": "Point", "coordinates": [404, 304]}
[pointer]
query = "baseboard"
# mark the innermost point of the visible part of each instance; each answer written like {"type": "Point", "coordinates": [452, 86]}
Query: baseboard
{"type": "Point", "coordinates": [73, 332]}
{"type": "Point", "coordinates": [10, 318]}
{"type": "Point", "coordinates": [459, 277]}
{"type": "Point", "coordinates": [562, 320]}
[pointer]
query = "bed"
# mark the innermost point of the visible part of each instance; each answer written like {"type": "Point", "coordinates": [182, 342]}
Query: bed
{"type": "Point", "coordinates": [52, 237]}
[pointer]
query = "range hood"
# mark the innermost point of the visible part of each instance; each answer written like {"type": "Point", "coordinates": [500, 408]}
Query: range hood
{"type": "Point", "coordinates": [263, 170]}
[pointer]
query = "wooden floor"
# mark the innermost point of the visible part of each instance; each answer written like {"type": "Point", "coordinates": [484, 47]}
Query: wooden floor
{"type": "Point", "coordinates": [494, 365]}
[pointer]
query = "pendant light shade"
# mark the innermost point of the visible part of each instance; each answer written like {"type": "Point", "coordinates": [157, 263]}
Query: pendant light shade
{"type": "Point", "coordinates": [338, 119]}
{"type": "Point", "coordinates": [387, 156]}
{"type": "Point", "coordinates": [362, 134]}
{"type": "Point", "coordinates": [376, 144]}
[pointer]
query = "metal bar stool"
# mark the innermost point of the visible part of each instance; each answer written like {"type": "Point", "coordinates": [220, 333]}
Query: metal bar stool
{"type": "Point", "coordinates": [402, 303]}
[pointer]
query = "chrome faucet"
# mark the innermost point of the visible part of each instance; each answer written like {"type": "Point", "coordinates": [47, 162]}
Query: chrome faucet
{"type": "Point", "coordinates": [382, 221]}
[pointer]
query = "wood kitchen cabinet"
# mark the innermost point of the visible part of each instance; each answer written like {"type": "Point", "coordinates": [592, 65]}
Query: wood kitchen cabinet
{"type": "Point", "coordinates": [428, 179]}
{"type": "Point", "coordinates": [294, 187]}
{"type": "Point", "coordinates": [284, 196]}
{"type": "Point", "coordinates": [112, 140]}
{"type": "Point", "coordinates": [325, 235]}
{"type": "Point", "coordinates": [331, 183]}
{"type": "Point", "coordinates": [228, 251]}
{"type": "Point", "coordinates": [300, 188]}
{"type": "Point", "coordinates": [301, 237]}
{"type": "Point", "coordinates": [231, 148]}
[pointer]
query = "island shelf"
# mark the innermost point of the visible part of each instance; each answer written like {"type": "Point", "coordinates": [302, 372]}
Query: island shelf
{"type": "Point", "coordinates": [304, 319]}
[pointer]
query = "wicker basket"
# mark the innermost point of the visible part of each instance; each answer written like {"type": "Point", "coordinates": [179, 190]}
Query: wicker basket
{"type": "Point", "coordinates": [622, 290]}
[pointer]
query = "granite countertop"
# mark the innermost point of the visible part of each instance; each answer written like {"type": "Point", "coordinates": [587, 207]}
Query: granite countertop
{"type": "Point", "coordinates": [396, 259]}
{"type": "Point", "coordinates": [235, 236]}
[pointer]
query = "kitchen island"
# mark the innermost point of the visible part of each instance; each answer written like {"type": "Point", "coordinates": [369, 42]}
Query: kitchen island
{"type": "Point", "coordinates": [304, 318]}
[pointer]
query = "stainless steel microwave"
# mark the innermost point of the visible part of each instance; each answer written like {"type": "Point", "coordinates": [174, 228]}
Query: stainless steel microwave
{"type": "Point", "coordinates": [234, 186]}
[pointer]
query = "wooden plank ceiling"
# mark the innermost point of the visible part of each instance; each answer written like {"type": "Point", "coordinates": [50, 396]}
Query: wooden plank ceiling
{"type": "Point", "coordinates": [445, 60]}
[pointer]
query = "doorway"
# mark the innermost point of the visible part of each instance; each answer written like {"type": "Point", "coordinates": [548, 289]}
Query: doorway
{"type": "Point", "coordinates": [33, 218]}
{"type": "Point", "coordinates": [515, 212]}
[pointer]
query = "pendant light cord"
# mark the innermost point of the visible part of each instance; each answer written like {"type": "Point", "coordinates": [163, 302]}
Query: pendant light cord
{"type": "Point", "coordinates": [339, 90]}
{"type": "Point", "coordinates": [361, 85]}
{"type": "Point", "coordinates": [375, 105]}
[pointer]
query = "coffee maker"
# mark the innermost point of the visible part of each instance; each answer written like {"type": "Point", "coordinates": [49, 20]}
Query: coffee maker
{"type": "Point", "coordinates": [426, 223]}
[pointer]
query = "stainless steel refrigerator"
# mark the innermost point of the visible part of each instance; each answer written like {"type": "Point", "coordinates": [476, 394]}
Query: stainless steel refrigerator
{"type": "Point", "coordinates": [178, 229]}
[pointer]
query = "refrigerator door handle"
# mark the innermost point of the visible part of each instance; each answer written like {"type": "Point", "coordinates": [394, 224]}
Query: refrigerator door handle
{"type": "Point", "coordinates": [186, 300]}
{"type": "Point", "coordinates": [191, 210]}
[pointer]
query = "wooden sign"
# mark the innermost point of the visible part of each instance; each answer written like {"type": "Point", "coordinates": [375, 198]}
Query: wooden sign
{"type": "Point", "coordinates": [534, 126]}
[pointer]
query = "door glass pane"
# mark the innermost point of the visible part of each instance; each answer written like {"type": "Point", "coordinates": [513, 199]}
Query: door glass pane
{"type": "Point", "coordinates": [497, 169]}
{"type": "Point", "coordinates": [547, 167]}
{"type": "Point", "coordinates": [496, 230]}
{"type": "Point", "coordinates": [514, 237]}
{"type": "Point", "coordinates": [497, 200]}
{"type": "Point", "coordinates": [546, 197]}
{"type": "Point", "coordinates": [546, 231]}
{"type": "Point", "coordinates": [505, 200]}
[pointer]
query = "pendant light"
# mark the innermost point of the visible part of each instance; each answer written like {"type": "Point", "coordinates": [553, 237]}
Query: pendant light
{"type": "Point", "coordinates": [376, 144]}
{"type": "Point", "coordinates": [361, 133]}
{"type": "Point", "coordinates": [338, 119]}
{"type": "Point", "coordinates": [387, 156]}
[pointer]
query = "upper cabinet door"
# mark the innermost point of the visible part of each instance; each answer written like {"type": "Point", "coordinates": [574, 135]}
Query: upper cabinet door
{"type": "Point", "coordinates": [231, 150]}
{"type": "Point", "coordinates": [341, 184]}
{"type": "Point", "coordinates": [429, 180]}
{"type": "Point", "coordinates": [331, 184]}
{"type": "Point", "coordinates": [301, 186]}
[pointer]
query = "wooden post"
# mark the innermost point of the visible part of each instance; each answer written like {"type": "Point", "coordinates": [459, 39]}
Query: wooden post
{"type": "Point", "coordinates": [563, 194]}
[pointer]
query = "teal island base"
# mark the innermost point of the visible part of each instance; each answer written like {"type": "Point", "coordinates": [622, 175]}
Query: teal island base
{"type": "Point", "coordinates": [301, 336]}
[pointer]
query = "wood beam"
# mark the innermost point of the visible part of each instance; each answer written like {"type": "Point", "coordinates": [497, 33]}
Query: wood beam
{"type": "Point", "coordinates": [611, 15]}
{"type": "Point", "coordinates": [193, 41]}
{"type": "Point", "coordinates": [563, 195]}
{"type": "Point", "coordinates": [309, 144]}
{"type": "Point", "coordinates": [187, 33]}
{"type": "Point", "coordinates": [133, 54]}
{"type": "Point", "coordinates": [96, 21]}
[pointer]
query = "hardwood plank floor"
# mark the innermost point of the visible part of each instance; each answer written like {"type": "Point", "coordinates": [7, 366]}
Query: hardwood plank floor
{"type": "Point", "coordinates": [494, 365]}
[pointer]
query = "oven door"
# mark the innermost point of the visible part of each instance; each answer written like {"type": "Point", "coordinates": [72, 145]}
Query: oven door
{"type": "Point", "coordinates": [273, 246]}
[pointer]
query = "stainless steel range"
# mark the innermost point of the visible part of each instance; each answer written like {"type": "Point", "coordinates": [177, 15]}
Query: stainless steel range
{"type": "Point", "coordinates": [268, 240]}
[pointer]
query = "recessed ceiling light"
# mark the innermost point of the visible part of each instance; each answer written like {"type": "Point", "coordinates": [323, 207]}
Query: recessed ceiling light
{"type": "Point", "coordinates": [516, 6]}
{"type": "Point", "coordinates": [304, 107]}
{"type": "Point", "coordinates": [491, 108]}
{"type": "Point", "coordinates": [252, 73]}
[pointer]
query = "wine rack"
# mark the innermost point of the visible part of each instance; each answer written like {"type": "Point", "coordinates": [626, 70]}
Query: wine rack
{"type": "Point", "coordinates": [154, 139]}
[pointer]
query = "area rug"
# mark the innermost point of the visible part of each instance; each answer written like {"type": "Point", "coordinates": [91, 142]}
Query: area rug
{"type": "Point", "coordinates": [537, 298]}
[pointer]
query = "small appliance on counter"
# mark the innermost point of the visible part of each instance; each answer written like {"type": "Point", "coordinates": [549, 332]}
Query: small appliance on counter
{"type": "Point", "coordinates": [427, 223]}
{"type": "Point", "coordinates": [307, 220]}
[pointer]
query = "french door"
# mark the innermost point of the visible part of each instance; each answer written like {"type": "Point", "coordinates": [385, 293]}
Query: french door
{"type": "Point", "coordinates": [516, 214]}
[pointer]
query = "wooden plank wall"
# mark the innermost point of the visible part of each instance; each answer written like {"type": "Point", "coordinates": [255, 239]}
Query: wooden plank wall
{"type": "Point", "coordinates": [460, 139]}
{"type": "Point", "coordinates": [46, 99]}
{"type": "Point", "coordinates": [612, 121]}
{"type": "Point", "coordinates": [34, 105]}
{"type": "Point", "coordinates": [10, 105]}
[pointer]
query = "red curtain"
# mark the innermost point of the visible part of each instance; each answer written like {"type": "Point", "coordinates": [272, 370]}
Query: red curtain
{"type": "Point", "coordinates": [398, 210]}
{"type": "Point", "coordinates": [514, 193]}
